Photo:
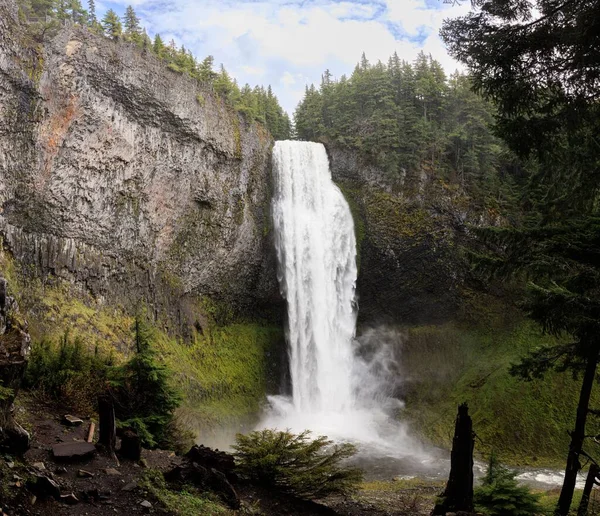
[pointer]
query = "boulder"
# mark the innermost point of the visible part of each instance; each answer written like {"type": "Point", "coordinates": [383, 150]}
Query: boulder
{"type": "Point", "coordinates": [209, 459]}
{"type": "Point", "coordinates": [73, 451]}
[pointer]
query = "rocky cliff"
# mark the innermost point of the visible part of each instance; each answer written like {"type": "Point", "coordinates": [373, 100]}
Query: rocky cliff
{"type": "Point", "coordinates": [129, 179]}
{"type": "Point", "coordinates": [408, 234]}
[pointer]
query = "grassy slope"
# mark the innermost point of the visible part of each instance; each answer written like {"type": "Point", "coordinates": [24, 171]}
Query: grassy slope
{"type": "Point", "coordinates": [525, 422]}
{"type": "Point", "coordinates": [224, 374]}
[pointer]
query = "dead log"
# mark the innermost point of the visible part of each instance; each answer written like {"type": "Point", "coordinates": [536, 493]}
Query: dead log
{"type": "Point", "coordinates": [91, 431]}
{"type": "Point", "coordinates": [458, 495]}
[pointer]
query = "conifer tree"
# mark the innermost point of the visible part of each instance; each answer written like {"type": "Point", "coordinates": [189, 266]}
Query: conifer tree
{"type": "Point", "coordinates": [92, 20]}
{"type": "Point", "coordinates": [112, 25]}
{"type": "Point", "coordinates": [131, 22]}
{"type": "Point", "coordinates": [158, 47]}
{"type": "Point", "coordinates": [547, 94]}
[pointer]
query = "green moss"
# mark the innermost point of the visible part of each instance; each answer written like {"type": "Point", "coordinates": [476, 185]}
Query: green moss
{"type": "Point", "coordinates": [201, 100]}
{"type": "Point", "coordinates": [395, 217]}
{"type": "Point", "coordinates": [352, 197]}
{"type": "Point", "coordinates": [525, 422]}
{"type": "Point", "coordinates": [187, 502]}
{"type": "Point", "coordinates": [225, 373]}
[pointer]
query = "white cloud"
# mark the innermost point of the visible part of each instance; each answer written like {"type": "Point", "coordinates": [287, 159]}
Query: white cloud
{"type": "Point", "coordinates": [289, 43]}
{"type": "Point", "coordinates": [253, 70]}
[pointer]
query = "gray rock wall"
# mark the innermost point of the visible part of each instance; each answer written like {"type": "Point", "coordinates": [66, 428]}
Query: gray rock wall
{"type": "Point", "coordinates": [128, 178]}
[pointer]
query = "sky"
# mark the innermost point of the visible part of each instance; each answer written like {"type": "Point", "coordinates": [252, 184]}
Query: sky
{"type": "Point", "coordinates": [289, 43]}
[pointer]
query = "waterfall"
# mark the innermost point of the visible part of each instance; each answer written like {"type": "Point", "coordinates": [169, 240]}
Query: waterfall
{"type": "Point", "coordinates": [316, 251]}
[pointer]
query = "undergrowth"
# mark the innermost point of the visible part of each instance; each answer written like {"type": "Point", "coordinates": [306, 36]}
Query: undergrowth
{"type": "Point", "coordinates": [526, 422]}
{"type": "Point", "coordinates": [187, 502]}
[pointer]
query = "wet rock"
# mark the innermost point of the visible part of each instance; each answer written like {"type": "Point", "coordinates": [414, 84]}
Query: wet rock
{"type": "Point", "coordinates": [146, 504]}
{"type": "Point", "coordinates": [112, 472]}
{"type": "Point", "coordinates": [73, 451]}
{"type": "Point", "coordinates": [209, 458]}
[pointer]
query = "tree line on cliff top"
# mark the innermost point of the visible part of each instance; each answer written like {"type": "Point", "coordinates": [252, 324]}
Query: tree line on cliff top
{"type": "Point", "coordinates": [407, 118]}
{"type": "Point", "coordinates": [257, 104]}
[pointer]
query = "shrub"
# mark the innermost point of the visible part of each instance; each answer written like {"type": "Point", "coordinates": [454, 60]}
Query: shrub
{"type": "Point", "coordinates": [500, 494]}
{"type": "Point", "coordinates": [68, 371]}
{"type": "Point", "coordinates": [296, 464]}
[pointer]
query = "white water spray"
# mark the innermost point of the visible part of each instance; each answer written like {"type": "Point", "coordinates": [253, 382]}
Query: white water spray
{"type": "Point", "coordinates": [334, 392]}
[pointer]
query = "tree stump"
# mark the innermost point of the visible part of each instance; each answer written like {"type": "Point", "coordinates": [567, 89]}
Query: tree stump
{"type": "Point", "coordinates": [131, 445]}
{"type": "Point", "coordinates": [458, 495]}
{"type": "Point", "coordinates": [107, 423]}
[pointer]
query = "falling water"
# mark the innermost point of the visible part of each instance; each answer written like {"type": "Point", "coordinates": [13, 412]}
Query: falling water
{"type": "Point", "coordinates": [334, 391]}
{"type": "Point", "coordinates": [316, 251]}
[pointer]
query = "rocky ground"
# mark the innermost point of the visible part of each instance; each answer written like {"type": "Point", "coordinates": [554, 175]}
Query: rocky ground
{"type": "Point", "coordinates": [101, 484]}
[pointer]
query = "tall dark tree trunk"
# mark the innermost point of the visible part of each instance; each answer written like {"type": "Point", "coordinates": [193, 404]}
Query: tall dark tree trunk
{"type": "Point", "coordinates": [458, 495]}
{"type": "Point", "coordinates": [107, 423]}
{"type": "Point", "coordinates": [577, 436]}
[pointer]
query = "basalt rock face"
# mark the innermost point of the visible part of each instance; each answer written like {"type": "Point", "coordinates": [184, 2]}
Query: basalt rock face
{"type": "Point", "coordinates": [408, 234]}
{"type": "Point", "coordinates": [128, 179]}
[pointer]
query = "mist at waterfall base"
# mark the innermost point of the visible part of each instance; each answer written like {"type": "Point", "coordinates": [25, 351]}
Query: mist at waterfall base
{"type": "Point", "coordinates": [341, 386]}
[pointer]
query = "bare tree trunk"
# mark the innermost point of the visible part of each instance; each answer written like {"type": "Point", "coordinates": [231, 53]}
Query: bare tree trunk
{"type": "Point", "coordinates": [458, 495]}
{"type": "Point", "coordinates": [577, 436]}
{"type": "Point", "coordinates": [107, 423]}
{"type": "Point", "coordinates": [587, 490]}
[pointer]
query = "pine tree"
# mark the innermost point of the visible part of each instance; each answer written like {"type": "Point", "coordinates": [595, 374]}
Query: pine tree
{"type": "Point", "coordinates": [145, 400]}
{"type": "Point", "coordinates": [131, 22]}
{"type": "Point", "coordinates": [501, 495]}
{"type": "Point", "coordinates": [92, 20]}
{"type": "Point", "coordinates": [205, 70]}
{"type": "Point", "coordinates": [548, 110]}
{"type": "Point", "coordinates": [158, 47]}
{"type": "Point", "coordinates": [112, 25]}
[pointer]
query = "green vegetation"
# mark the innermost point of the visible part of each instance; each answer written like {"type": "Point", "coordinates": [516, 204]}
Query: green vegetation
{"type": "Point", "coordinates": [68, 372]}
{"type": "Point", "coordinates": [256, 104]}
{"type": "Point", "coordinates": [187, 502]}
{"type": "Point", "coordinates": [526, 422]}
{"type": "Point", "coordinates": [538, 75]}
{"type": "Point", "coordinates": [500, 494]}
{"type": "Point", "coordinates": [145, 396]}
{"type": "Point", "coordinates": [296, 464]}
{"type": "Point", "coordinates": [225, 373]}
{"type": "Point", "coordinates": [410, 119]}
